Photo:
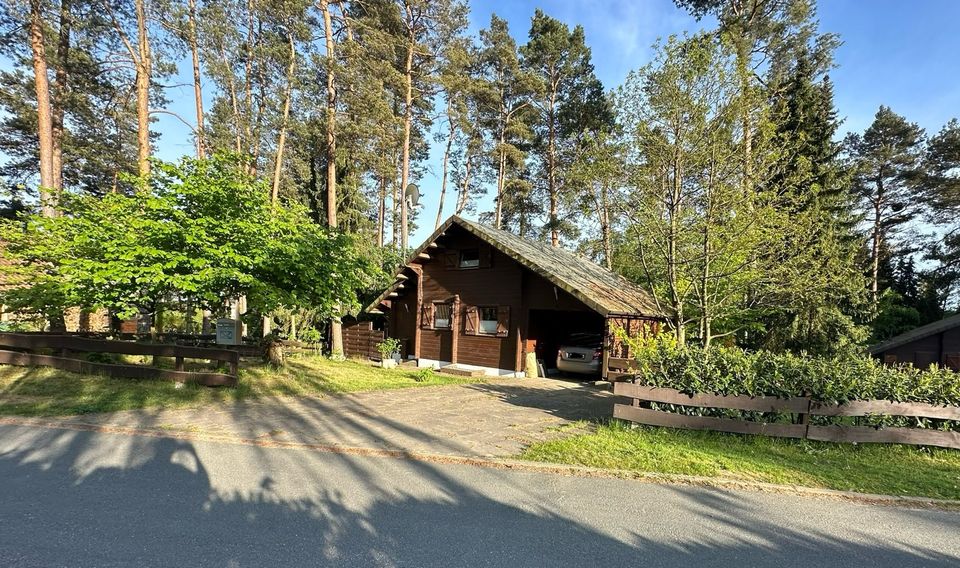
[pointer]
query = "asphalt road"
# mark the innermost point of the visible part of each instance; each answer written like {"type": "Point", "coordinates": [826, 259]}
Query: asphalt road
{"type": "Point", "coordinates": [71, 498]}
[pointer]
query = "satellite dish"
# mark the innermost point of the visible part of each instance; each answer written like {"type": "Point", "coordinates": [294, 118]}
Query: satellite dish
{"type": "Point", "coordinates": [412, 193]}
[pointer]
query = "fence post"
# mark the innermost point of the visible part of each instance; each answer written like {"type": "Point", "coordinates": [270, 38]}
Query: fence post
{"type": "Point", "coordinates": [178, 365]}
{"type": "Point", "coordinates": [805, 417]}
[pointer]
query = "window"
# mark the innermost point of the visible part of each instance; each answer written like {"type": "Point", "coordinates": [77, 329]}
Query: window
{"type": "Point", "coordinates": [470, 258]}
{"type": "Point", "coordinates": [488, 321]}
{"type": "Point", "coordinates": [441, 316]}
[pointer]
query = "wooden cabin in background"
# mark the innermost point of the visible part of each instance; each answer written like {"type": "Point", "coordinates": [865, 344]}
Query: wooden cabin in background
{"type": "Point", "coordinates": [934, 343]}
{"type": "Point", "coordinates": [475, 298]}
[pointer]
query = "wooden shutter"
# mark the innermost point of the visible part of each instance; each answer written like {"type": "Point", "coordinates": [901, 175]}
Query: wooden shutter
{"type": "Point", "coordinates": [450, 259]}
{"type": "Point", "coordinates": [426, 316]}
{"type": "Point", "coordinates": [503, 321]}
{"type": "Point", "coordinates": [471, 320]}
{"type": "Point", "coordinates": [953, 361]}
{"type": "Point", "coordinates": [485, 257]}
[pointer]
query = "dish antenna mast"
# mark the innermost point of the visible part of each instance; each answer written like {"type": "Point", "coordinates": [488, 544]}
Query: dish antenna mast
{"type": "Point", "coordinates": [411, 198]}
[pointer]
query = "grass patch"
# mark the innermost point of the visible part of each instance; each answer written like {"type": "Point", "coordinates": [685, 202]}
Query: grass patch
{"type": "Point", "coordinates": [867, 468]}
{"type": "Point", "coordinates": [43, 391]}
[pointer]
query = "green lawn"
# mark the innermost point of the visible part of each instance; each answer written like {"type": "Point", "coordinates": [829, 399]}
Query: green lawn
{"type": "Point", "coordinates": [868, 468]}
{"type": "Point", "coordinates": [42, 391]}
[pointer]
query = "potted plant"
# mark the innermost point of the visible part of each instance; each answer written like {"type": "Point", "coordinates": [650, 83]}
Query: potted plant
{"type": "Point", "coordinates": [389, 350]}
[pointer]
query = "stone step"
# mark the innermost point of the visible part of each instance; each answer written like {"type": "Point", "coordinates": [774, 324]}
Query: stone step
{"type": "Point", "coordinates": [460, 371]}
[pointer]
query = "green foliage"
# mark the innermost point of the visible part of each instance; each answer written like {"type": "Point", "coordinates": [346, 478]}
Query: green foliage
{"type": "Point", "coordinates": [388, 347]}
{"type": "Point", "coordinates": [311, 335]}
{"type": "Point", "coordinates": [202, 229]}
{"type": "Point", "coordinates": [733, 371]}
{"type": "Point", "coordinates": [425, 374]}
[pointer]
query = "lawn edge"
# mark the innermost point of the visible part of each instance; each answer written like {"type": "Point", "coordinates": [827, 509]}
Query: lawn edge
{"type": "Point", "coordinates": [512, 464]}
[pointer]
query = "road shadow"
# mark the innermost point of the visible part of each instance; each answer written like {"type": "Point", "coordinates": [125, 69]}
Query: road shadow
{"type": "Point", "coordinates": [87, 499]}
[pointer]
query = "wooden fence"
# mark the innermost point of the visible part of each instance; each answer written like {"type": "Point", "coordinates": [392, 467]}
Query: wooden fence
{"type": "Point", "coordinates": [360, 340]}
{"type": "Point", "coordinates": [618, 368]}
{"type": "Point", "coordinates": [64, 351]}
{"type": "Point", "coordinates": [803, 407]}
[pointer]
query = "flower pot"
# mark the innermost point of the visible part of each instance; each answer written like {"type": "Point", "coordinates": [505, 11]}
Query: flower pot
{"type": "Point", "coordinates": [388, 363]}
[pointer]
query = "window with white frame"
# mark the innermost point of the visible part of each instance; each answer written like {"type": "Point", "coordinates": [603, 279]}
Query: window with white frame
{"type": "Point", "coordinates": [488, 320]}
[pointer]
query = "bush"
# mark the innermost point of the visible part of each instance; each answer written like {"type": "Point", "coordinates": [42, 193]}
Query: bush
{"type": "Point", "coordinates": [423, 375]}
{"type": "Point", "coordinates": [388, 347]}
{"type": "Point", "coordinates": [733, 371]}
{"type": "Point", "coordinates": [311, 335]}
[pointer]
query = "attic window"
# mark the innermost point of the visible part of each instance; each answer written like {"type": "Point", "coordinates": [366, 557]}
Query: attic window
{"type": "Point", "coordinates": [470, 258]}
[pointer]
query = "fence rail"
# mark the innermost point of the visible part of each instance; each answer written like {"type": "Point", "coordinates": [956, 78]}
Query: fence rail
{"type": "Point", "coordinates": [803, 407]}
{"type": "Point", "coordinates": [19, 349]}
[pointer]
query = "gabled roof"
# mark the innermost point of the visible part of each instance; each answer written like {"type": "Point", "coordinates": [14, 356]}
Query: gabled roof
{"type": "Point", "coordinates": [604, 291]}
{"type": "Point", "coordinates": [915, 334]}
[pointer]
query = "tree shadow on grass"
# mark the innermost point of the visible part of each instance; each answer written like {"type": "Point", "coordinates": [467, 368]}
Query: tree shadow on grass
{"type": "Point", "coordinates": [85, 499]}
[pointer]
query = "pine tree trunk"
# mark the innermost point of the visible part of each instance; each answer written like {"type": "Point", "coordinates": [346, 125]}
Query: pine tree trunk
{"type": "Point", "coordinates": [281, 141]}
{"type": "Point", "coordinates": [248, 83]}
{"type": "Point", "coordinates": [336, 327]}
{"type": "Point", "coordinates": [464, 198]}
{"type": "Point", "coordinates": [876, 238]}
{"type": "Point", "coordinates": [446, 163]}
{"type": "Point", "coordinates": [501, 167]}
{"type": "Point", "coordinates": [552, 171]}
{"type": "Point", "coordinates": [605, 228]}
{"type": "Point", "coordinates": [382, 212]}
{"type": "Point", "coordinates": [44, 119]}
{"type": "Point", "coordinates": [197, 89]}
{"type": "Point", "coordinates": [144, 65]}
{"type": "Point", "coordinates": [60, 88]}
{"type": "Point", "coordinates": [407, 125]}
{"type": "Point", "coordinates": [673, 261]}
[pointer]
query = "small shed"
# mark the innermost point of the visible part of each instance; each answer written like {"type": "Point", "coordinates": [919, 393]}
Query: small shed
{"type": "Point", "coordinates": [934, 343]}
{"type": "Point", "coordinates": [481, 298]}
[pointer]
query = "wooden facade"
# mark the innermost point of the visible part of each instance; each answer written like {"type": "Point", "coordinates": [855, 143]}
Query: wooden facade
{"type": "Point", "coordinates": [937, 343]}
{"type": "Point", "coordinates": [471, 297]}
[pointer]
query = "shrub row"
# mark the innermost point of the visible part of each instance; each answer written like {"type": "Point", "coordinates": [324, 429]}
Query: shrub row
{"type": "Point", "coordinates": [733, 371]}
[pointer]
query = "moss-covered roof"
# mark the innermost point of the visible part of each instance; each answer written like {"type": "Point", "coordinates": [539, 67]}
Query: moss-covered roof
{"type": "Point", "coordinates": [603, 290]}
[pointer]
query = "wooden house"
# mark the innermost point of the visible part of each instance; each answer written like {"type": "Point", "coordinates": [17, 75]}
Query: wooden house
{"type": "Point", "coordinates": [934, 343]}
{"type": "Point", "coordinates": [478, 298]}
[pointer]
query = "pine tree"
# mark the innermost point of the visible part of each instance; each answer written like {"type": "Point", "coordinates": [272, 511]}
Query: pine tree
{"type": "Point", "coordinates": [886, 161]}
{"type": "Point", "coordinates": [569, 100]}
{"type": "Point", "coordinates": [505, 115]}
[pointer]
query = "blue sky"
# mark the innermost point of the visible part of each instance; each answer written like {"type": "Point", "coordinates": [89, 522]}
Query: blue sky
{"type": "Point", "coordinates": [904, 54]}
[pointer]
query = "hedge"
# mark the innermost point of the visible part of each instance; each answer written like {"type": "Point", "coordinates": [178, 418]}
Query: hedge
{"type": "Point", "coordinates": [733, 371]}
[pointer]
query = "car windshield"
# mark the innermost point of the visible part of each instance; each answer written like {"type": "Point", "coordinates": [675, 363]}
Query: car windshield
{"type": "Point", "coordinates": [583, 340]}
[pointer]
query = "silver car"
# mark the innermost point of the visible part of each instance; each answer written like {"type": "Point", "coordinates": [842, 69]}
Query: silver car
{"type": "Point", "coordinates": [581, 353]}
